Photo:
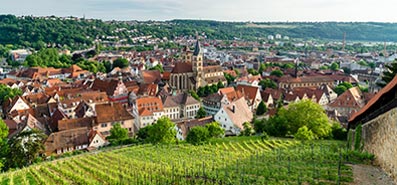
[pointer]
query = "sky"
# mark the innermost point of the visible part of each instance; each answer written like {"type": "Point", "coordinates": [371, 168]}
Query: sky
{"type": "Point", "coordinates": [221, 10]}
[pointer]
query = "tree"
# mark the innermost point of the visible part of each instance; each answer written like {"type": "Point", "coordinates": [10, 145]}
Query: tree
{"type": "Point", "coordinates": [253, 71]}
{"type": "Point", "coordinates": [162, 132]}
{"type": "Point", "coordinates": [194, 95]}
{"type": "Point", "coordinates": [201, 113]}
{"type": "Point", "coordinates": [248, 130]}
{"type": "Point", "coordinates": [389, 73]}
{"type": "Point", "coordinates": [262, 67]}
{"type": "Point", "coordinates": [143, 133]}
{"type": "Point", "coordinates": [261, 108]}
{"type": "Point", "coordinates": [260, 125]}
{"type": "Point", "coordinates": [304, 133]}
{"type": "Point", "coordinates": [220, 85]}
{"type": "Point", "coordinates": [277, 73]}
{"type": "Point", "coordinates": [334, 66]}
{"type": "Point", "coordinates": [158, 67]}
{"type": "Point", "coordinates": [346, 70]}
{"type": "Point", "coordinates": [305, 113]}
{"type": "Point", "coordinates": [215, 130]}
{"type": "Point", "coordinates": [3, 143]}
{"type": "Point", "coordinates": [268, 83]}
{"type": "Point", "coordinates": [117, 133]}
{"type": "Point", "coordinates": [229, 78]}
{"type": "Point", "coordinates": [26, 147]}
{"type": "Point", "coordinates": [198, 135]}
{"type": "Point", "coordinates": [120, 62]}
{"type": "Point", "coordinates": [7, 93]}
{"type": "Point", "coordinates": [342, 87]}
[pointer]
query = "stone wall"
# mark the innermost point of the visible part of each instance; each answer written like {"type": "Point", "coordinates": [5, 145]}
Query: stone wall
{"type": "Point", "coordinates": [379, 137]}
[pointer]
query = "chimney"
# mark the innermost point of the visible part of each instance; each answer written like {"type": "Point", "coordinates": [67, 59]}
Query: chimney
{"type": "Point", "coordinates": [234, 109]}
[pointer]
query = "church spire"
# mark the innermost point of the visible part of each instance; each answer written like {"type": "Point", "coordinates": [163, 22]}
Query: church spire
{"type": "Point", "coordinates": [197, 49]}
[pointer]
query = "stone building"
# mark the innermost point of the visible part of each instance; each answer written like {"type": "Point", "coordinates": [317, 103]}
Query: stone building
{"type": "Point", "coordinates": [190, 73]}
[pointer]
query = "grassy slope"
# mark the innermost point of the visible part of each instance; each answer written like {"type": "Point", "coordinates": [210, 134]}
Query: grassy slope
{"type": "Point", "coordinates": [238, 160]}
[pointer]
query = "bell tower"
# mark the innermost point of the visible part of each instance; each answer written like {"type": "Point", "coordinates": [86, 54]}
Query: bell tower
{"type": "Point", "coordinates": [197, 64]}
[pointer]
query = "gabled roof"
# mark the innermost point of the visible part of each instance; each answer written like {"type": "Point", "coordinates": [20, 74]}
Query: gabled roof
{"type": "Point", "coordinates": [66, 139]}
{"type": "Point", "coordinates": [111, 112]}
{"type": "Point", "coordinates": [151, 76]}
{"type": "Point", "coordinates": [144, 112]}
{"type": "Point", "coordinates": [249, 92]}
{"type": "Point", "coordinates": [108, 86]}
{"type": "Point", "coordinates": [75, 123]}
{"type": "Point", "coordinates": [182, 67]}
{"type": "Point", "coordinates": [374, 107]}
{"type": "Point", "coordinates": [238, 112]}
{"type": "Point", "coordinates": [352, 98]}
{"type": "Point", "coordinates": [152, 104]}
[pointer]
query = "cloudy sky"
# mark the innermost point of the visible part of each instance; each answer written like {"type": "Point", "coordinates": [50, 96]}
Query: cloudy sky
{"type": "Point", "coordinates": [226, 10]}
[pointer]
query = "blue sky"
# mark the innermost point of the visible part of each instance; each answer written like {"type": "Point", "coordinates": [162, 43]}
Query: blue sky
{"type": "Point", "coordinates": [226, 10]}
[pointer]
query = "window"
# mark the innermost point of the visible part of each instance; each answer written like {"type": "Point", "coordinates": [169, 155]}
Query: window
{"type": "Point", "coordinates": [104, 125]}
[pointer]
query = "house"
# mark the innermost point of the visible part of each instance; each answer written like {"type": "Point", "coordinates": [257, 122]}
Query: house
{"type": "Point", "coordinates": [232, 116]}
{"type": "Point", "coordinates": [115, 89]}
{"type": "Point", "coordinates": [184, 127]}
{"type": "Point", "coordinates": [141, 108]}
{"type": "Point", "coordinates": [349, 102]}
{"type": "Point", "coordinates": [213, 103]}
{"type": "Point", "coordinates": [19, 55]}
{"type": "Point", "coordinates": [75, 139]}
{"type": "Point", "coordinates": [251, 94]}
{"type": "Point", "coordinates": [109, 114]}
{"type": "Point", "coordinates": [181, 106]}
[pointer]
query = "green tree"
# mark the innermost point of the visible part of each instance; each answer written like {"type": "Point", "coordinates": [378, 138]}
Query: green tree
{"type": "Point", "coordinates": [277, 73]}
{"type": "Point", "coordinates": [120, 62]}
{"type": "Point", "coordinates": [304, 133]}
{"type": "Point", "coordinates": [215, 130]}
{"type": "Point", "coordinates": [261, 108]}
{"type": "Point", "coordinates": [201, 113]}
{"type": "Point", "coordinates": [268, 83]}
{"type": "Point", "coordinates": [305, 113]}
{"type": "Point", "coordinates": [198, 135]}
{"type": "Point", "coordinates": [389, 73]}
{"type": "Point", "coordinates": [334, 66]}
{"type": "Point", "coordinates": [26, 147]}
{"type": "Point", "coordinates": [248, 130]}
{"type": "Point", "coordinates": [229, 78]}
{"type": "Point", "coordinates": [3, 143]}
{"type": "Point", "coordinates": [262, 67]}
{"type": "Point", "coordinates": [143, 133]}
{"type": "Point", "coordinates": [194, 95]}
{"type": "Point", "coordinates": [253, 71]}
{"type": "Point", "coordinates": [117, 133]}
{"type": "Point", "coordinates": [158, 67]}
{"type": "Point", "coordinates": [220, 85]}
{"type": "Point", "coordinates": [7, 92]}
{"type": "Point", "coordinates": [162, 132]}
{"type": "Point", "coordinates": [342, 87]}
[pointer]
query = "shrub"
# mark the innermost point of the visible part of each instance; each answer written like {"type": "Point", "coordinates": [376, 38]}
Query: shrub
{"type": "Point", "coordinates": [264, 136]}
{"type": "Point", "coordinates": [338, 132]}
{"type": "Point", "coordinates": [304, 134]}
{"type": "Point", "coordinates": [198, 135]}
{"type": "Point", "coordinates": [357, 138]}
{"type": "Point", "coordinates": [215, 129]}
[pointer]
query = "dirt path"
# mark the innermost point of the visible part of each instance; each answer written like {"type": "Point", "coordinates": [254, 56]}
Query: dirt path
{"type": "Point", "coordinates": [370, 175]}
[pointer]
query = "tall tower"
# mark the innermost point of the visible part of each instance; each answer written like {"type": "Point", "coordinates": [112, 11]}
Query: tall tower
{"type": "Point", "coordinates": [197, 64]}
{"type": "Point", "coordinates": [187, 55]}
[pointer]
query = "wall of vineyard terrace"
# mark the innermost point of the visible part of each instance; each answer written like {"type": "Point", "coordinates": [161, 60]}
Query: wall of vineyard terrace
{"type": "Point", "coordinates": [379, 137]}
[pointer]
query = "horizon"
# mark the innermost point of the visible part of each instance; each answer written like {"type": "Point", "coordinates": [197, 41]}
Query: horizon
{"type": "Point", "coordinates": [222, 10]}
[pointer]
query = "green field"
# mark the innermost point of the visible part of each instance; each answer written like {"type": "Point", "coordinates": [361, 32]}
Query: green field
{"type": "Point", "coordinates": [238, 160]}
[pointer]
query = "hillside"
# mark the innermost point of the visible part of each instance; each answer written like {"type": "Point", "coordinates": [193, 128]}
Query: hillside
{"type": "Point", "coordinates": [77, 33]}
{"type": "Point", "coordinates": [238, 160]}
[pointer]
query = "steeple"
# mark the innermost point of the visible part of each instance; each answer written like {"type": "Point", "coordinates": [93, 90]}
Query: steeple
{"type": "Point", "coordinates": [197, 49]}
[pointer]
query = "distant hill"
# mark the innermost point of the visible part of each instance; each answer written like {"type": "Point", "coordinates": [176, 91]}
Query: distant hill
{"type": "Point", "coordinates": [77, 33]}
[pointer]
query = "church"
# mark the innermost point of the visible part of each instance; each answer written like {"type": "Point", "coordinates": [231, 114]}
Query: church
{"type": "Point", "coordinates": [190, 73]}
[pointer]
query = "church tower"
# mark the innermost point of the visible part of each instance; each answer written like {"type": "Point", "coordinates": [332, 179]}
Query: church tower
{"type": "Point", "coordinates": [197, 64]}
{"type": "Point", "coordinates": [187, 55]}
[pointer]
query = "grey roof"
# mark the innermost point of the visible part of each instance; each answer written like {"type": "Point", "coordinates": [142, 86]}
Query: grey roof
{"type": "Point", "coordinates": [197, 49]}
{"type": "Point", "coordinates": [180, 99]}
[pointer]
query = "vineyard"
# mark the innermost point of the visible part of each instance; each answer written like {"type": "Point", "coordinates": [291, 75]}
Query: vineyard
{"type": "Point", "coordinates": [223, 161]}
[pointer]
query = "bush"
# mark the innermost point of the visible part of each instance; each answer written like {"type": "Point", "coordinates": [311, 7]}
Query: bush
{"type": "Point", "coordinates": [248, 130]}
{"type": "Point", "coordinates": [264, 136]}
{"type": "Point", "coordinates": [338, 132]}
{"type": "Point", "coordinates": [198, 135]}
{"type": "Point", "coordinates": [359, 157]}
{"type": "Point", "coordinates": [304, 134]}
{"type": "Point", "coordinates": [215, 130]}
{"type": "Point", "coordinates": [357, 138]}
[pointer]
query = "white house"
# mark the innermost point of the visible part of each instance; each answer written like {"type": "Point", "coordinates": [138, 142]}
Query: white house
{"type": "Point", "coordinates": [232, 116]}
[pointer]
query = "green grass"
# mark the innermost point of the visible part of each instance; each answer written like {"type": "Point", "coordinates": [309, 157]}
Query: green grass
{"type": "Point", "coordinates": [234, 160]}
